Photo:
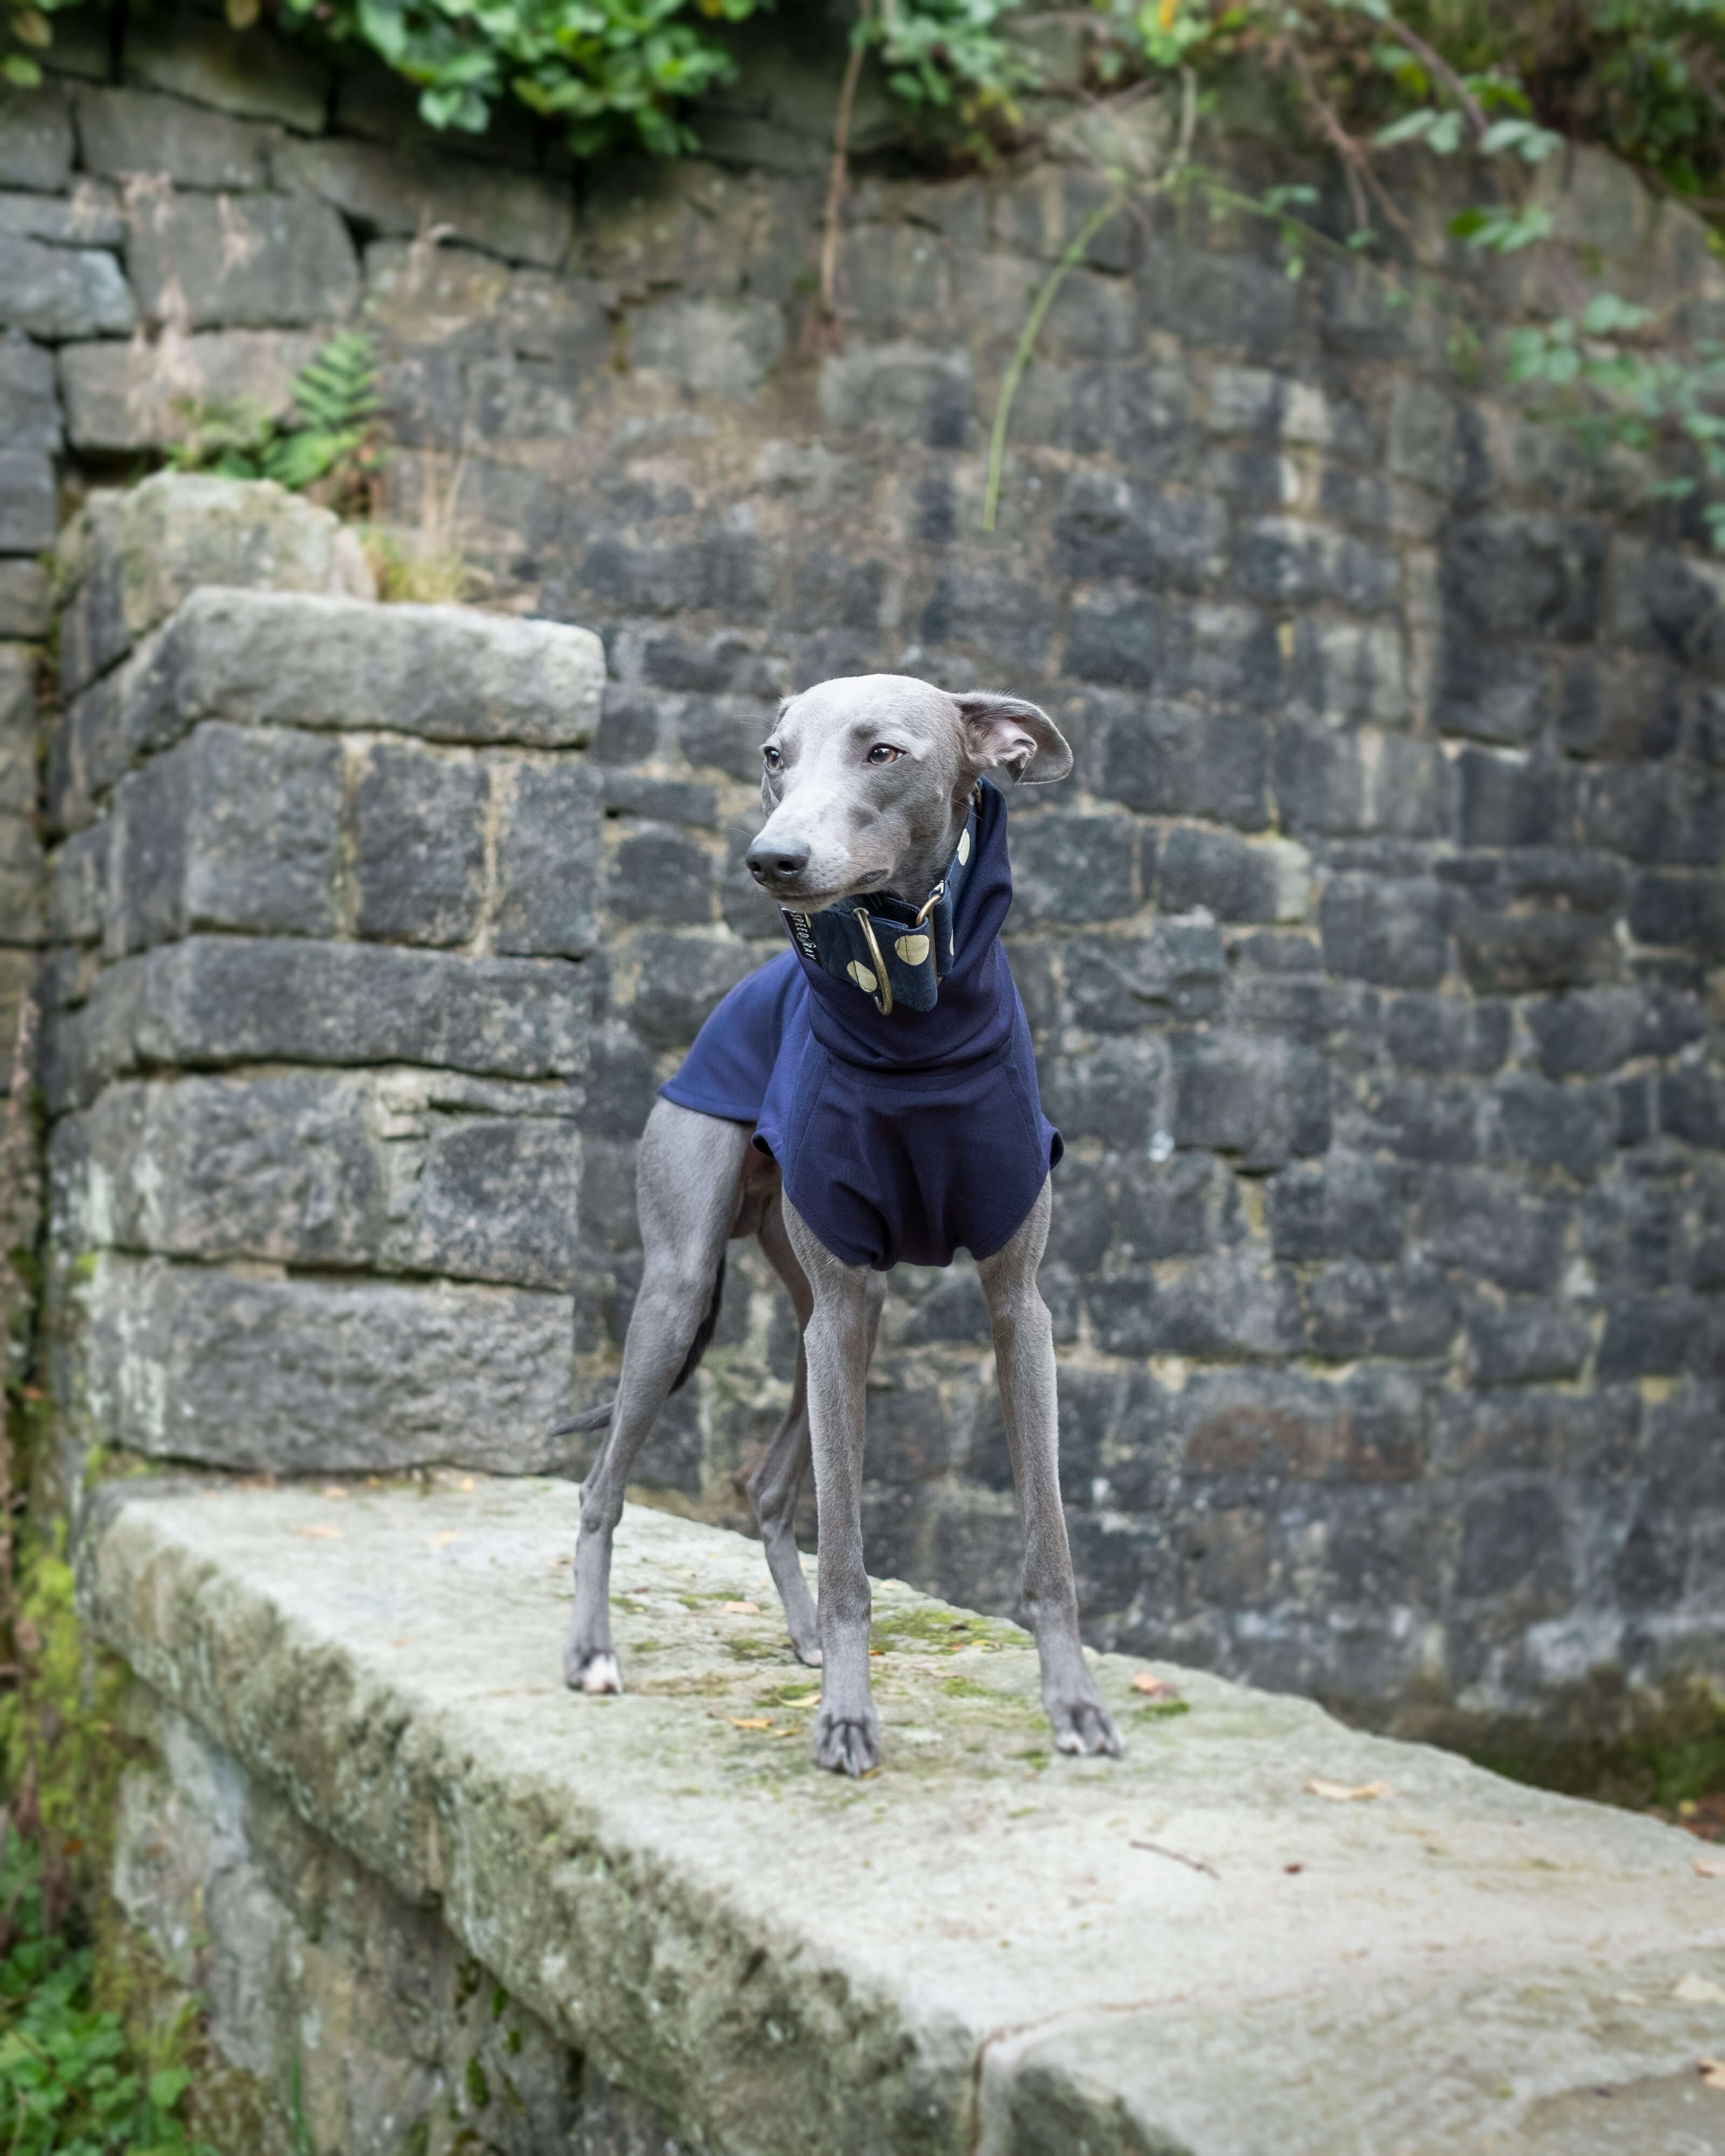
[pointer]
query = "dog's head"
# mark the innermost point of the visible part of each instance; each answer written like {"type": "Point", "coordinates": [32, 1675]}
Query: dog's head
{"type": "Point", "coordinates": [864, 782]}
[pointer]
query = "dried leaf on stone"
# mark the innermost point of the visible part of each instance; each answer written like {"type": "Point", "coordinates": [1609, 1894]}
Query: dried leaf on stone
{"type": "Point", "coordinates": [1154, 1686]}
{"type": "Point", "coordinates": [1713, 2073]}
{"type": "Point", "coordinates": [751, 1722]}
{"type": "Point", "coordinates": [741, 1609]}
{"type": "Point", "coordinates": [1711, 1867]}
{"type": "Point", "coordinates": [320, 1534]}
{"type": "Point", "coordinates": [1698, 1991]}
{"type": "Point", "coordinates": [441, 1541]}
{"type": "Point", "coordinates": [1346, 1792]}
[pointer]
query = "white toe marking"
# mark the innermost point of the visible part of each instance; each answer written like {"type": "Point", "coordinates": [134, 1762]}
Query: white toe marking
{"type": "Point", "coordinates": [602, 1674]}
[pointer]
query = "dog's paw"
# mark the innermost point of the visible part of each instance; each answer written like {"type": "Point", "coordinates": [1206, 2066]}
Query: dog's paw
{"type": "Point", "coordinates": [1082, 1725]}
{"type": "Point", "coordinates": [806, 1651]}
{"type": "Point", "coordinates": [844, 1746]}
{"type": "Point", "coordinates": [592, 1673]}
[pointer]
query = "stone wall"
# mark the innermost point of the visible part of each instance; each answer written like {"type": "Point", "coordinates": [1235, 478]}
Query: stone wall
{"type": "Point", "coordinates": [1372, 953]}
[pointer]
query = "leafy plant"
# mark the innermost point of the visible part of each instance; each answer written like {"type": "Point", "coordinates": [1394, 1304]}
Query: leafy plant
{"type": "Point", "coordinates": [942, 51]}
{"type": "Point", "coordinates": [26, 32]}
{"type": "Point", "coordinates": [69, 2086]}
{"type": "Point", "coordinates": [335, 438]}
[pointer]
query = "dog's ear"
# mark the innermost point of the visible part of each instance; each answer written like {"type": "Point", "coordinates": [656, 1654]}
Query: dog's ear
{"type": "Point", "coordinates": [1006, 732]}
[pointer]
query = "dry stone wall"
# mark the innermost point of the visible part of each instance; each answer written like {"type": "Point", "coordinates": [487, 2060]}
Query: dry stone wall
{"type": "Point", "coordinates": [1372, 954]}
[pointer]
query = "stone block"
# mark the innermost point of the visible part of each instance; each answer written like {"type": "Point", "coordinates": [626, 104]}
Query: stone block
{"type": "Point", "coordinates": [1520, 576]}
{"type": "Point", "coordinates": [234, 829]}
{"type": "Point", "coordinates": [708, 347]}
{"type": "Point", "coordinates": [910, 391]}
{"type": "Point", "coordinates": [1684, 911]}
{"type": "Point", "coordinates": [497, 1199]}
{"type": "Point", "coordinates": [1414, 1119]}
{"type": "Point", "coordinates": [1516, 1544]}
{"type": "Point", "coordinates": [1514, 954]}
{"type": "Point", "coordinates": [29, 410]}
{"type": "Point", "coordinates": [1235, 881]}
{"type": "Point", "coordinates": [1348, 671]}
{"type": "Point", "coordinates": [1505, 799]}
{"type": "Point", "coordinates": [1489, 1226]}
{"type": "Point", "coordinates": [63, 292]}
{"type": "Point", "coordinates": [93, 215]}
{"type": "Point", "coordinates": [444, 673]}
{"type": "Point", "coordinates": [23, 881]}
{"type": "Point", "coordinates": [1692, 1106]}
{"type": "Point", "coordinates": [725, 573]}
{"type": "Point", "coordinates": [312, 1377]}
{"type": "Point", "coordinates": [1119, 1092]}
{"type": "Point", "coordinates": [29, 503]}
{"type": "Point", "coordinates": [418, 844]}
{"type": "Point", "coordinates": [1492, 690]}
{"type": "Point", "coordinates": [1173, 760]}
{"type": "Point", "coordinates": [661, 875]}
{"type": "Point", "coordinates": [681, 979]}
{"type": "Point", "coordinates": [1361, 784]}
{"type": "Point", "coordinates": [1440, 1033]}
{"type": "Point", "coordinates": [1391, 930]}
{"type": "Point", "coordinates": [1011, 621]}
{"type": "Point", "coordinates": [1665, 814]}
{"type": "Point", "coordinates": [1074, 868]}
{"type": "Point", "coordinates": [1230, 1305]}
{"type": "Point", "coordinates": [1186, 1206]}
{"type": "Point", "coordinates": [1112, 526]}
{"type": "Point", "coordinates": [1261, 1098]}
{"type": "Point", "coordinates": [725, 733]}
{"type": "Point", "coordinates": [252, 74]}
{"type": "Point", "coordinates": [1117, 982]}
{"type": "Point", "coordinates": [1283, 562]}
{"type": "Point", "coordinates": [36, 144]}
{"type": "Point", "coordinates": [243, 261]}
{"type": "Point", "coordinates": [1623, 709]}
{"type": "Point", "coordinates": [1405, 1312]}
{"type": "Point", "coordinates": [132, 396]}
{"type": "Point", "coordinates": [1348, 1207]}
{"type": "Point", "coordinates": [1527, 1343]}
{"type": "Point", "coordinates": [78, 887]}
{"type": "Point", "coordinates": [222, 999]}
{"type": "Point", "coordinates": [398, 192]}
{"type": "Point", "coordinates": [548, 861]}
{"type": "Point", "coordinates": [125, 133]}
{"type": "Point", "coordinates": [24, 607]}
{"type": "Point", "coordinates": [1650, 1336]}
{"type": "Point", "coordinates": [1571, 1126]}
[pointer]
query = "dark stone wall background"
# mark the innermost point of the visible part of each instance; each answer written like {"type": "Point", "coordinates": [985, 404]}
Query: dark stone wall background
{"type": "Point", "coordinates": [1372, 952]}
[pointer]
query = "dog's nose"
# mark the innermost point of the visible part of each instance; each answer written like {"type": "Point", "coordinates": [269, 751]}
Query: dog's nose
{"type": "Point", "coordinates": [775, 864]}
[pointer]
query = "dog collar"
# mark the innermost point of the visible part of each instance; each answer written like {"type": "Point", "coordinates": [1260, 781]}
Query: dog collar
{"type": "Point", "coordinates": [894, 952]}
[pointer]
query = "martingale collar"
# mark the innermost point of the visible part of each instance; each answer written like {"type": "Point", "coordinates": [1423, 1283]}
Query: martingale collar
{"type": "Point", "coordinates": [894, 952]}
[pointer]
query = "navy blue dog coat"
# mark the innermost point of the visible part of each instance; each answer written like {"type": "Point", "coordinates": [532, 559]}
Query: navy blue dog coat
{"type": "Point", "coordinates": [900, 1135]}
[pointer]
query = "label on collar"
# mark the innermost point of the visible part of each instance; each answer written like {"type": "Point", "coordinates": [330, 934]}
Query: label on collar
{"type": "Point", "coordinates": [803, 935]}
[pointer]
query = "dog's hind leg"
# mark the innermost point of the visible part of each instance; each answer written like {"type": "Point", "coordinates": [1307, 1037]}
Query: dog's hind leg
{"type": "Point", "coordinates": [776, 1481]}
{"type": "Point", "coordinates": [1023, 1356]}
{"type": "Point", "coordinates": [687, 1187]}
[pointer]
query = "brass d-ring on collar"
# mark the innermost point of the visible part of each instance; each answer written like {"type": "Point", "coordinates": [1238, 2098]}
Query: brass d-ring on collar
{"type": "Point", "coordinates": [883, 1002]}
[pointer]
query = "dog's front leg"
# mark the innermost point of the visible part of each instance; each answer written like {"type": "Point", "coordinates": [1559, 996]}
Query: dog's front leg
{"type": "Point", "coordinates": [1023, 1356]}
{"type": "Point", "coordinates": [838, 1340]}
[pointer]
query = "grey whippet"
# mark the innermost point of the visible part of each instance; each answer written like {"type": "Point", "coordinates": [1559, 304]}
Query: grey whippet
{"type": "Point", "coordinates": [866, 784]}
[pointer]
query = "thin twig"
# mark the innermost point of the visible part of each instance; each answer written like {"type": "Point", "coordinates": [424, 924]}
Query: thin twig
{"type": "Point", "coordinates": [838, 173]}
{"type": "Point", "coordinates": [1191, 1863]}
{"type": "Point", "coordinates": [1356, 163]}
{"type": "Point", "coordinates": [1074, 254]}
{"type": "Point", "coordinates": [1434, 63]}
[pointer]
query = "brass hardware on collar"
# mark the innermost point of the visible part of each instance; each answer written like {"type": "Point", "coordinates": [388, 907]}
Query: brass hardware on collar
{"type": "Point", "coordinates": [928, 904]}
{"type": "Point", "coordinates": [883, 1002]}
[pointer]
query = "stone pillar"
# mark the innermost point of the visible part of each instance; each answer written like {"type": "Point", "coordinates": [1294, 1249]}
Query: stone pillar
{"type": "Point", "coordinates": [320, 995]}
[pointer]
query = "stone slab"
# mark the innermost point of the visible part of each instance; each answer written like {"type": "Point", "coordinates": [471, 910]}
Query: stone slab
{"type": "Point", "coordinates": [242, 261]}
{"type": "Point", "coordinates": [396, 193]}
{"type": "Point", "coordinates": [1188, 1951]}
{"type": "Point", "coordinates": [135, 396]}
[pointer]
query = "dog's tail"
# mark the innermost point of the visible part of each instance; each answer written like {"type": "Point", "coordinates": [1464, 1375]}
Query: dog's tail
{"type": "Point", "coordinates": [596, 1417]}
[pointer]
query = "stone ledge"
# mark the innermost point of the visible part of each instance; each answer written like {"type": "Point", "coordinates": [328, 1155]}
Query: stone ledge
{"type": "Point", "coordinates": [977, 1950]}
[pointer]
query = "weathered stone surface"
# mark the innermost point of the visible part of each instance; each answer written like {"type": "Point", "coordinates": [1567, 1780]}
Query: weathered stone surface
{"type": "Point", "coordinates": [251, 73]}
{"type": "Point", "coordinates": [93, 215]}
{"type": "Point", "coordinates": [234, 829]}
{"type": "Point", "coordinates": [29, 510]}
{"type": "Point", "coordinates": [25, 599]}
{"type": "Point", "coordinates": [29, 412]}
{"type": "Point", "coordinates": [548, 853]}
{"type": "Point", "coordinates": [308, 1376]}
{"type": "Point", "coordinates": [36, 144]}
{"type": "Point", "coordinates": [61, 292]}
{"type": "Point", "coordinates": [123, 132]}
{"type": "Point", "coordinates": [135, 396]}
{"type": "Point", "coordinates": [442, 672]}
{"type": "Point", "coordinates": [513, 214]}
{"type": "Point", "coordinates": [1577, 1923]}
{"type": "Point", "coordinates": [419, 854]}
{"type": "Point", "coordinates": [242, 261]}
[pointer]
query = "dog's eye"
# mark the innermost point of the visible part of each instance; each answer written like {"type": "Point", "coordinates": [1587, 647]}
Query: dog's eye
{"type": "Point", "coordinates": [773, 758]}
{"type": "Point", "coordinates": [880, 753]}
